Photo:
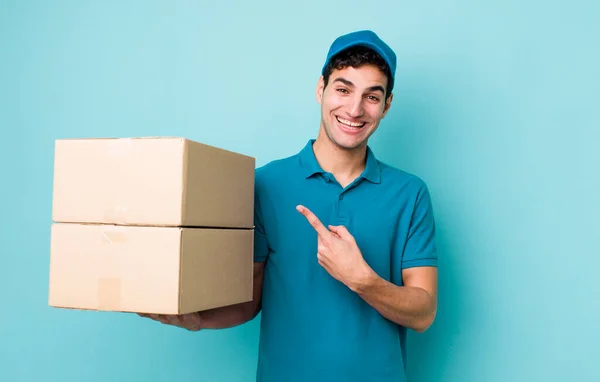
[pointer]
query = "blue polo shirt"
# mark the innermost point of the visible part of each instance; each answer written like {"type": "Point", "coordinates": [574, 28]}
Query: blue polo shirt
{"type": "Point", "coordinates": [313, 327]}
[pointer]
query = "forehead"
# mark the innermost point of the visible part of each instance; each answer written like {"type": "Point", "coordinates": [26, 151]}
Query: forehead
{"type": "Point", "coordinates": [364, 76]}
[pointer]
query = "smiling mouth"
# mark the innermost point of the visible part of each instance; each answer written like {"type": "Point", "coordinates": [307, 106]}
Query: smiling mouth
{"type": "Point", "coordinates": [345, 122]}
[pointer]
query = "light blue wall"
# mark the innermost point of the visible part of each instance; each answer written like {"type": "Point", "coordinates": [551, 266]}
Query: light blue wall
{"type": "Point", "coordinates": [496, 107]}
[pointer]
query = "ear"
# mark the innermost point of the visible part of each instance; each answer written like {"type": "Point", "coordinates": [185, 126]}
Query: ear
{"type": "Point", "coordinates": [388, 104]}
{"type": "Point", "coordinates": [320, 89]}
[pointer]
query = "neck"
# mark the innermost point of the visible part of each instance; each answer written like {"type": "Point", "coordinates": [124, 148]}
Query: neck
{"type": "Point", "coordinates": [345, 164]}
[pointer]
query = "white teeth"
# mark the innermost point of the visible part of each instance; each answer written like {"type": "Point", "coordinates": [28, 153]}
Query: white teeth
{"type": "Point", "coordinates": [352, 124]}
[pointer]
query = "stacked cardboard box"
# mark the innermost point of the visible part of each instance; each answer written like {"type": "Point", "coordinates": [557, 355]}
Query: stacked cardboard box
{"type": "Point", "coordinates": [150, 225]}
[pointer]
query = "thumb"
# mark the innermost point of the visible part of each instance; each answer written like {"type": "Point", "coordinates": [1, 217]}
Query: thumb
{"type": "Point", "coordinates": [340, 231]}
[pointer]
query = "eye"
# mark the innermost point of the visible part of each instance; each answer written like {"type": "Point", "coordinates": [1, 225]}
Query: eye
{"type": "Point", "coordinates": [373, 98]}
{"type": "Point", "coordinates": [342, 90]}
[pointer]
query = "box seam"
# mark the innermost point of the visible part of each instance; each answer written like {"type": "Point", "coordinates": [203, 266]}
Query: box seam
{"type": "Point", "coordinates": [180, 271]}
{"type": "Point", "coordinates": [184, 180]}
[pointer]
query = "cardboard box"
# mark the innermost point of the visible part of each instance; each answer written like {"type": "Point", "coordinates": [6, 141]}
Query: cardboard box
{"type": "Point", "coordinates": [152, 182]}
{"type": "Point", "coordinates": [169, 270]}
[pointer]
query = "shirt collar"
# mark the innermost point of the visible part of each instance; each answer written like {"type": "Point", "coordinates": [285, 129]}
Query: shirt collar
{"type": "Point", "coordinates": [310, 165]}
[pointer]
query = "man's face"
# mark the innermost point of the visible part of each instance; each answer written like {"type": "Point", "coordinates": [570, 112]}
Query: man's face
{"type": "Point", "coordinates": [352, 105]}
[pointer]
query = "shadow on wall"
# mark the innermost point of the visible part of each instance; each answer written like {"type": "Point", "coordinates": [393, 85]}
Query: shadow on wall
{"type": "Point", "coordinates": [412, 138]}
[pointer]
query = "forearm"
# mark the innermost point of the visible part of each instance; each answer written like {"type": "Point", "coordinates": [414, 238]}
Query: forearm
{"type": "Point", "coordinates": [411, 307]}
{"type": "Point", "coordinates": [228, 316]}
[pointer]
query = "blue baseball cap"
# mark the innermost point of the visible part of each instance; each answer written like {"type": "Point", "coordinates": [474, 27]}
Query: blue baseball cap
{"type": "Point", "coordinates": [367, 39]}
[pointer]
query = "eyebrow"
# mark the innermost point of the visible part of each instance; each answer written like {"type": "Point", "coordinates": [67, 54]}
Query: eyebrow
{"type": "Point", "coordinates": [350, 84]}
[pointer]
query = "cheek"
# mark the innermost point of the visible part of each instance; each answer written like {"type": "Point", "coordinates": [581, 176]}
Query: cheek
{"type": "Point", "coordinates": [332, 103]}
{"type": "Point", "coordinates": [375, 112]}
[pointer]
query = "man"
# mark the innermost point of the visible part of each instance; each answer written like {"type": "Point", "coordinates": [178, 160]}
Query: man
{"type": "Point", "coordinates": [345, 255]}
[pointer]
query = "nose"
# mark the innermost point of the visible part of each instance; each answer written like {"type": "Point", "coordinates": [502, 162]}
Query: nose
{"type": "Point", "coordinates": [356, 108]}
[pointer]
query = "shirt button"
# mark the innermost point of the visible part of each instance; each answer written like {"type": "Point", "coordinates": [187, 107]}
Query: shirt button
{"type": "Point", "coordinates": [341, 197]}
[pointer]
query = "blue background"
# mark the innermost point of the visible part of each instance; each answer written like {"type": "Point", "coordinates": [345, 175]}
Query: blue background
{"type": "Point", "coordinates": [496, 108]}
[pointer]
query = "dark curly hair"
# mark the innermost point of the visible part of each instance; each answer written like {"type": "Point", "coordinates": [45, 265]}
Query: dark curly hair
{"type": "Point", "coordinates": [356, 57]}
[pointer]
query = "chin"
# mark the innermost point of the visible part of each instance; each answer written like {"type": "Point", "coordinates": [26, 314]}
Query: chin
{"type": "Point", "coordinates": [348, 143]}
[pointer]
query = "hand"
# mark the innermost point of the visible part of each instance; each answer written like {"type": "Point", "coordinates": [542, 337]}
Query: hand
{"type": "Point", "coordinates": [338, 253]}
{"type": "Point", "coordinates": [190, 321]}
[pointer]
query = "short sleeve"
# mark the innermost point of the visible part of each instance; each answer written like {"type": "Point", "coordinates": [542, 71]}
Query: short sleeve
{"type": "Point", "coordinates": [261, 247]}
{"type": "Point", "coordinates": [420, 248]}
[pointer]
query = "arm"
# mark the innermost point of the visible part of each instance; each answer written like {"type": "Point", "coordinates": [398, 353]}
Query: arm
{"type": "Point", "coordinates": [413, 305]}
{"type": "Point", "coordinates": [219, 318]}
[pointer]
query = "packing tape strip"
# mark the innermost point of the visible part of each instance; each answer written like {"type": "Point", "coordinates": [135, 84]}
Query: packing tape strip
{"type": "Point", "coordinates": [116, 215]}
{"type": "Point", "coordinates": [109, 294]}
{"type": "Point", "coordinates": [113, 235]}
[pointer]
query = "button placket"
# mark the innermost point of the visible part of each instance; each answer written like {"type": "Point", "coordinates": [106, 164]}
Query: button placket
{"type": "Point", "coordinates": [339, 218]}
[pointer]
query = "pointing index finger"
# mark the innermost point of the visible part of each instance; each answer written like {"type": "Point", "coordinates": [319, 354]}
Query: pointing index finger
{"type": "Point", "coordinates": [314, 221]}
